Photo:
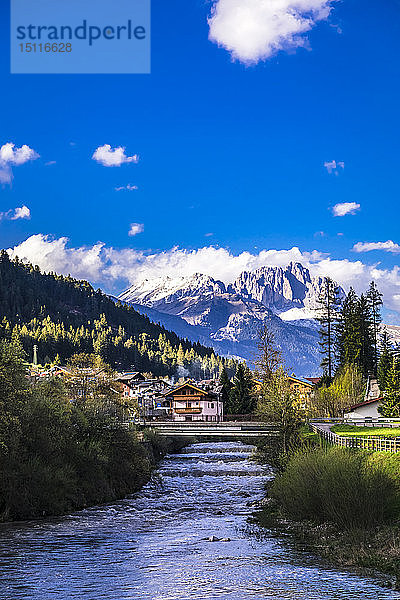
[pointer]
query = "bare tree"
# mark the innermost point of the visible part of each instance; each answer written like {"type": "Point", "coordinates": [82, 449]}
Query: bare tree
{"type": "Point", "coordinates": [269, 357]}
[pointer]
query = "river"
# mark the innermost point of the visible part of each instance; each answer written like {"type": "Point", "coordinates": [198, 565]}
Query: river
{"type": "Point", "coordinates": [154, 546]}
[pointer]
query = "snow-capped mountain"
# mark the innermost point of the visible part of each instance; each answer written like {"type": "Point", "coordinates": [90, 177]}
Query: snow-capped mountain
{"type": "Point", "coordinates": [228, 317]}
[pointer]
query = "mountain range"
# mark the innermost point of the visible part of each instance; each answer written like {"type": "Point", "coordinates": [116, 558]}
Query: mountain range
{"type": "Point", "coordinates": [229, 316]}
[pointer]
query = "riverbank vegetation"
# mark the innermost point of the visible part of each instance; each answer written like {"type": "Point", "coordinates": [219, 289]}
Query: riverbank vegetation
{"type": "Point", "coordinates": [358, 431]}
{"type": "Point", "coordinates": [58, 455]}
{"type": "Point", "coordinates": [344, 504]}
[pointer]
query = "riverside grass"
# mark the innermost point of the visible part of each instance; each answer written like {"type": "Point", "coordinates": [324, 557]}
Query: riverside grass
{"type": "Point", "coordinates": [358, 431]}
{"type": "Point", "coordinates": [344, 504]}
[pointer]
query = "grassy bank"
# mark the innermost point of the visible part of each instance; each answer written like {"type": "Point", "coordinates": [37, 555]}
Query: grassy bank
{"type": "Point", "coordinates": [343, 504]}
{"type": "Point", "coordinates": [358, 431]}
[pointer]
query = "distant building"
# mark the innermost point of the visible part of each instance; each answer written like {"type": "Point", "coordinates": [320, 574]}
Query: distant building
{"type": "Point", "coordinates": [313, 380]}
{"type": "Point", "coordinates": [129, 381]}
{"type": "Point", "coordinates": [148, 393]}
{"type": "Point", "coordinates": [303, 388]}
{"type": "Point", "coordinates": [369, 407]}
{"type": "Point", "coordinates": [189, 402]}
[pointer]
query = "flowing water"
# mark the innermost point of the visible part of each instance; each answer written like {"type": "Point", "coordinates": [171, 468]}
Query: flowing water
{"type": "Point", "coordinates": [154, 546]}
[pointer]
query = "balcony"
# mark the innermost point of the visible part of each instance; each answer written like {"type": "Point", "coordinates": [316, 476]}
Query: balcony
{"type": "Point", "coordinates": [194, 410]}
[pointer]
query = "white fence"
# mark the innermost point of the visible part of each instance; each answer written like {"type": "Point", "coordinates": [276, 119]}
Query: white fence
{"type": "Point", "coordinates": [371, 442]}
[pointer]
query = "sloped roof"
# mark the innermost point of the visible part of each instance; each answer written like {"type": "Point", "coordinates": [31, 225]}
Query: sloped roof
{"type": "Point", "coordinates": [188, 384]}
{"type": "Point", "coordinates": [365, 403]}
{"type": "Point", "coordinates": [314, 380]}
{"type": "Point", "coordinates": [299, 380]}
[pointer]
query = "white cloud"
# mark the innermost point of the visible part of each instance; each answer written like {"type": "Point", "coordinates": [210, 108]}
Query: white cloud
{"type": "Point", "coordinates": [345, 208]}
{"type": "Point", "coordinates": [136, 228]}
{"type": "Point", "coordinates": [50, 163]}
{"type": "Point", "coordinates": [11, 156]}
{"type": "Point", "coordinates": [113, 157]}
{"type": "Point", "coordinates": [22, 212]}
{"type": "Point", "coordinates": [129, 188]}
{"type": "Point", "coordinates": [114, 268]}
{"type": "Point", "coordinates": [254, 30]}
{"type": "Point", "coordinates": [333, 166]}
{"type": "Point", "coordinates": [388, 246]}
{"type": "Point", "coordinates": [50, 254]}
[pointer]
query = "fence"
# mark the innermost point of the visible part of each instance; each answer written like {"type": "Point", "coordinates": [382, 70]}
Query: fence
{"type": "Point", "coordinates": [372, 442]}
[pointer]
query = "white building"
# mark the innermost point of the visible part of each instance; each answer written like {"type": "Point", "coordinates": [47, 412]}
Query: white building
{"type": "Point", "coordinates": [189, 402]}
{"type": "Point", "coordinates": [369, 407]}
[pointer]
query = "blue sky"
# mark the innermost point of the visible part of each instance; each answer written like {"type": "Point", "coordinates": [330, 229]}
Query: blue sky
{"type": "Point", "coordinates": [225, 148]}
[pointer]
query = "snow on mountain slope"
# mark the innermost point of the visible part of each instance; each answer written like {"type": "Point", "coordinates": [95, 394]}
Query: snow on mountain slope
{"type": "Point", "coordinates": [229, 317]}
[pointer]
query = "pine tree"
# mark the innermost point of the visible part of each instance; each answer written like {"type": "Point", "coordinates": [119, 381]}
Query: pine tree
{"type": "Point", "coordinates": [385, 359]}
{"type": "Point", "coordinates": [347, 342]}
{"type": "Point", "coordinates": [241, 401]}
{"type": "Point", "coordinates": [226, 386]}
{"type": "Point", "coordinates": [375, 302]}
{"type": "Point", "coordinates": [328, 304]}
{"type": "Point", "coordinates": [355, 334]}
{"type": "Point", "coordinates": [365, 336]}
{"type": "Point", "coordinates": [390, 406]}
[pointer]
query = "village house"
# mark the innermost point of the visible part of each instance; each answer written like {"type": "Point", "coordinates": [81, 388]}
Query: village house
{"type": "Point", "coordinates": [148, 393]}
{"type": "Point", "coordinates": [368, 409]}
{"type": "Point", "coordinates": [303, 388]}
{"type": "Point", "coordinates": [189, 402]}
{"type": "Point", "coordinates": [129, 381]}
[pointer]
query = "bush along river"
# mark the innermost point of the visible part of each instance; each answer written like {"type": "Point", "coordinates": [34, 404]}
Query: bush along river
{"type": "Point", "coordinates": [184, 536]}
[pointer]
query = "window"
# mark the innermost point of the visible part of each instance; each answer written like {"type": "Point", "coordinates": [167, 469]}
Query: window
{"type": "Point", "coordinates": [212, 404]}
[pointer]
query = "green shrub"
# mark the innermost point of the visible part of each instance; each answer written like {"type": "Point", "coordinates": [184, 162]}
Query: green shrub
{"type": "Point", "coordinates": [338, 485]}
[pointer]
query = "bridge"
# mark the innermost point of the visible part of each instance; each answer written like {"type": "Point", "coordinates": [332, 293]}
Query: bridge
{"type": "Point", "coordinates": [224, 429]}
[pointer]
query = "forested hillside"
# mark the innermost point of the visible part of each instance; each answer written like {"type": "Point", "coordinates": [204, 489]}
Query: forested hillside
{"type": "Point", "coordinates": [63, 316]}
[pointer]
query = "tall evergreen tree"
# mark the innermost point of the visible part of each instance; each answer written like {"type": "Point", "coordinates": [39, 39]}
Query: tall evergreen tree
{"type": "Point", "coordinates": [355, 334]}
{"type": "Point", "coordinates": [375, 302]}
{"type": "Point", "coordinates": [347, 341]}
{"type": "Point", "coordinates": [242, 400]}
{"type": "Point", "coordinates": [226, 386]}
{"type": "Point", "coordinates": [390, 406]}
{"type": "Point", "coordinates": [365, 336]}
{"type": "Point", "coordinates": [385, 359]}
{"type": "Point", "coordinates": [328, 305]}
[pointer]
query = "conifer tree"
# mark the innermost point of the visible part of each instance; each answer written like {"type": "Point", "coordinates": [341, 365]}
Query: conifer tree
{"type": "Point", "coordinates": [390, 406]}
{"type": "Point", "coordinates": [347, 342]}
{"type": "Point", "coordinates": [365, 336]}
{"type": "Point", "coordinates": [242, 401]}
{"type": "Point", "coordinates": [355, 334]}
{"type": "Point", "coordinates": [226, 386]}
{"type": "Point", "coordinates": [375, 302]}
{"type": "Point", "coordinates": [385, 360]}
{"type": "Point", "coordinates": [328, 305]}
